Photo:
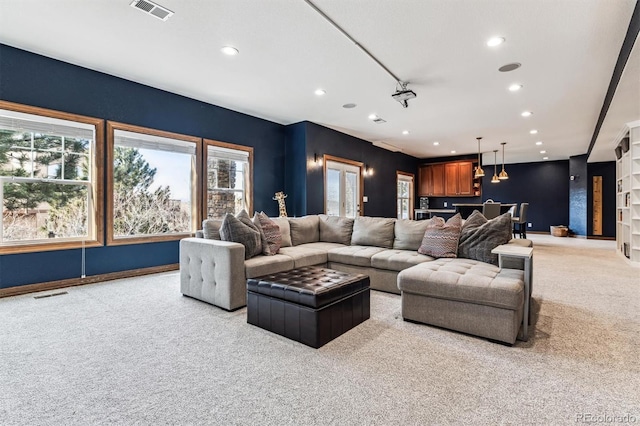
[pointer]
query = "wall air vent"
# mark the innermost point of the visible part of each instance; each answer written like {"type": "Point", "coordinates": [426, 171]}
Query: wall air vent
{"type": "Point", "coordinates": [153, 9]}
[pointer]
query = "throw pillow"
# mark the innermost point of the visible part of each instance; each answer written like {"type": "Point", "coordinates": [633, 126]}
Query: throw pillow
{"type": "Point", "coordinates": [479, 236]}
{"type": "Point", "coordinates": [271, 232]}
{"type": "Point", "coordinates": [285, 230]}
{"type": "Point", "coordinates": [240, 229]}
{"type": "Point", "coordinates": [211, 228]}
{"type": "Point", "coordinates": [441, 238]}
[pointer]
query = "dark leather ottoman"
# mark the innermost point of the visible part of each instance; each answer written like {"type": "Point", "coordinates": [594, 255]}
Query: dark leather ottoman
{"type": "Point", "coordinates": [310, 305]}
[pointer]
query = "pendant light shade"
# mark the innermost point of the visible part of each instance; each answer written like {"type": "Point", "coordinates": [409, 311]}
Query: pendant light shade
{"type": "Point", "coordinates": [495, 178]}
{"type": "Point", "coordinates": [479, 171]}
{"type": "Point", "coordinates": [503, 174]}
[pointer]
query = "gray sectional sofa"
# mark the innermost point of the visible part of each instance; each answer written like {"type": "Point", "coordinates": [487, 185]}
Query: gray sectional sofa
{"type": "Point", "coordinates": [216, 271]}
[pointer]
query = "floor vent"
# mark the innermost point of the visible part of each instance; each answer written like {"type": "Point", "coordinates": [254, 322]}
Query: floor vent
{"type": "Point", "coordinates": [153, 9]}
{"type": "Point", "coordinates": [42, 296]}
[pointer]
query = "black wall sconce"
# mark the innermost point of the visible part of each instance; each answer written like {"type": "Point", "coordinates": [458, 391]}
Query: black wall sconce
{"type": "Point", "coordinates": [317, 159]}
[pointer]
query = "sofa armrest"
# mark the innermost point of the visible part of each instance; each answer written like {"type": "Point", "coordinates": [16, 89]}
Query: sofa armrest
{"type": "Point", "coordinates": [213, 271]}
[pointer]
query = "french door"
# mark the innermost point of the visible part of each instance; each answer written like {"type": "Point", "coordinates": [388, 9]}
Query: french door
{"type": "Point", "coordinates": [342, 187]}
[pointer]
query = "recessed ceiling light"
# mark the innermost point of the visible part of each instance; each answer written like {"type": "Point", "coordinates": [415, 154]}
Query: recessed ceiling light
{"type": "Point", "coordinates": [453, 151]}
{"type": "Point", "coordinates": [543, 152]}
{"type": "Point", "coordinates": [545, 158]}
{"type": "Point", "coordinates": [495, 41]}
{"type": "Point", "coordinates": [405, 132]}
{"type": "Point", "coordinates": [510, 67]}
{"type": "Point", "coordinates": [320, 92]}
{"type": "Point", "coordinates": [526, 114]}
{"type": "Point", "coordinates": [436, 143]}
{"type": "Point", "coordinates": [515, 87]}
{"type": "Point", "coordinates": [372, 116]}
{"type": "Point", "coordinates": [539, 143]}
{"type": "Point", "coordinates": [533, 132]}
{"type": "Point", "coordinates": [229, 50]}
{"type": "Point", "coordinates": [349, 106]}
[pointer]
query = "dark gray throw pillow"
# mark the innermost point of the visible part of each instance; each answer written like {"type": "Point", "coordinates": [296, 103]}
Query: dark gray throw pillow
{"type": "Point", "coordinates": [237, 230]}
{"type": "Point", "coordinates": [479, 236]}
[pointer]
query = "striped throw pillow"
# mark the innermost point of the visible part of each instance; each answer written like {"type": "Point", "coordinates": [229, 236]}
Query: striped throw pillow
{"type": "Point", "coordinates": [441, 238]}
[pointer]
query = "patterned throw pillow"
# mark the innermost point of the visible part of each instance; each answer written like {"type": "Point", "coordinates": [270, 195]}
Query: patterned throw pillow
{"type": "Point", "coordinates": [479, 236]}
{"type": "Point", "coordinates": [270, 233]}
{"type": "Point", "coordinates": [240, 229]}
{"type": "Point", "coordinates": [440, 238]}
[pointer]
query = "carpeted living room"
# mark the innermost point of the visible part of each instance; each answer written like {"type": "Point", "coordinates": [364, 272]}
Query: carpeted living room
{"type": "Point", "coordinates": [316, 212]}
{"type": "Point", "coordinates": [135, 351]}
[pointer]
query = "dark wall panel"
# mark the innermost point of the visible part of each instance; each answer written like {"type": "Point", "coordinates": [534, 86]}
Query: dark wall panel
{"type": "Point", "coordinates": [578, 194]}
{"type": "Point", "coordinates": [545, 186]}
{"type": "Point", "coordinates": [295, 179]}
{"type": "Point", "coordinates": [380, 188]}
{"type": "Point", "coordinates": [36, 80]}
{"type": "Point", "coordinates": [608, 172]}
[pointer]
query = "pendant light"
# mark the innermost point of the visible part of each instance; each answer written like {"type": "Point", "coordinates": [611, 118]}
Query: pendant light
{"type": "Point", "coordinates": [479, 171]}
{"type": "Point", "coordinates": [495, 179]}
{"type": "Point", "coordinates": [503, 174]}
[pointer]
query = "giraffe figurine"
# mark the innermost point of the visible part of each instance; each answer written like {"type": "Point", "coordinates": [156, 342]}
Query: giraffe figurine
{"type": "Point", "coordinates": [280, 196]}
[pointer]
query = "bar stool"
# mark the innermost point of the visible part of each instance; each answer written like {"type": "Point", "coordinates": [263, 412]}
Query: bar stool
{"type": "Point", "coordinates": [520, 221]}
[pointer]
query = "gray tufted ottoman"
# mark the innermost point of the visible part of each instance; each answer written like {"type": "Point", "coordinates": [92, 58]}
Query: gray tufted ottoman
{"type": "Point", "coordinates": [311, 305]}
{"type": "Point", "coordinates": [464, 295]}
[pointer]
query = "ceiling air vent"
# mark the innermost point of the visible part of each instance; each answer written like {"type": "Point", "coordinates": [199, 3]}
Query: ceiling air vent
{"type": "Point", "coordinates": [153, 9]}
{"type": "Point", "coordinates": [379, 120]}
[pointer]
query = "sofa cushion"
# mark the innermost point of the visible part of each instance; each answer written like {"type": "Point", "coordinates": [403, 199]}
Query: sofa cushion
{"type": "Point", "coordinates": [479, 236]}
{"type": "Point", "coordinates": [353, 255]}
{"type": "Point", "coordinates": [465, 280]}
{"type": "Point", "coordinates": [285, 230]}
{"type": "Point", "coordinates": [441, 238]}
{"type": "Point", "coordinates": [336, 229]}
{"type": "Point", "coordinates": [408, 233]}
{"type": "Point", "coordinates": [263, 265]}
{"type": "Point", "coordinates": [211, 228]}
{"type": "Point", "coordinates": [321, 245]}
{"type": "Point", "coordinates": [373, 231]}
{"type": "Point", "coordinates": [397, 260]}
{"type": "Point", "coordinates": [305, 256]}
{"type": "Point", "coordinates": [269, 234]}
{"type": "Point", "coordinates": [304, 229]}
{"type": "Point", "coordinates": [240, 229]}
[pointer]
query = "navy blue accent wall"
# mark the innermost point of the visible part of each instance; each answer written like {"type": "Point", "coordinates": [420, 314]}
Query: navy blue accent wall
{"type": "Point", "coordinates": [578, 194]}
{"type": "Point", "coordinates": [545, 186]}
{"type": "Point", "coordinates": [36, 80]}
{"type": "Point", "coordinates": [380, 188]}
{"type": "Point", "coordinates": [608, 172]}
{"type": "Point", "coordinates": [295, 169]}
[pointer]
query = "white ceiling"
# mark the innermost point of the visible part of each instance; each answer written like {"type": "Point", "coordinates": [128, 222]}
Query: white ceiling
{"type": "Point", "coordinates": [568, 50]}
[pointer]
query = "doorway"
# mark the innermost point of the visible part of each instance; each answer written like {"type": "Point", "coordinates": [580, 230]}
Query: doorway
{"type": "Point", "coordinates": [404, 195]}
{"type": "Point", "coordinates": [342, 187]}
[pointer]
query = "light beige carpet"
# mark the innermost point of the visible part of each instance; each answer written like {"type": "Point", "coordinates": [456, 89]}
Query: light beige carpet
{"type": "Point", "coordinates": [137, 352]}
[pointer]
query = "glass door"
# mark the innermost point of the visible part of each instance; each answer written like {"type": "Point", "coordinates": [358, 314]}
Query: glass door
{"type": "Point", "coordinates": [342, 189]}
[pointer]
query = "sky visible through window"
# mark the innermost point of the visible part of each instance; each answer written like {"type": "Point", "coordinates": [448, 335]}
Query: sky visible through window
{"type": "Point", "coordinates": [173, 170]}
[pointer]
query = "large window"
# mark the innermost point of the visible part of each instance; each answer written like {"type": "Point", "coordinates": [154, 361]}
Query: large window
{"type": "Point", "coordinates": [405, 195]}
{"type": "Point", "coordinates": [50, 187]}
{"type": "Point", "coordinates": [152, 178]}
{"type": "Point", "coordinates": [228, 179]}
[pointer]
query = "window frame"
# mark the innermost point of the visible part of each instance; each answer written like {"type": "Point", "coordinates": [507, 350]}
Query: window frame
{"type": "Point", "coordinates": [206, 143]}
{"type": "Point", "coordinates": [407, 177]}
{"type": "Point", "coordinates": [196, 208]}
{"type": "Point", "coordinates": [95, 226]}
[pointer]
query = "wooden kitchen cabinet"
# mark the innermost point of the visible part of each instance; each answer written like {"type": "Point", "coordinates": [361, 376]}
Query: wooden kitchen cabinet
{"type": "Point", "coordinates": [432, 180]}
{"type": "Point", "coordinates": [452, 179]}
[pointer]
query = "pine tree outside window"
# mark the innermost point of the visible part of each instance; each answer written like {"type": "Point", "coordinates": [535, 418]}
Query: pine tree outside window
{"type": "Point", "coordinates": [152, 185]}
{"type": "Point", "coordinates": [48, 179]}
